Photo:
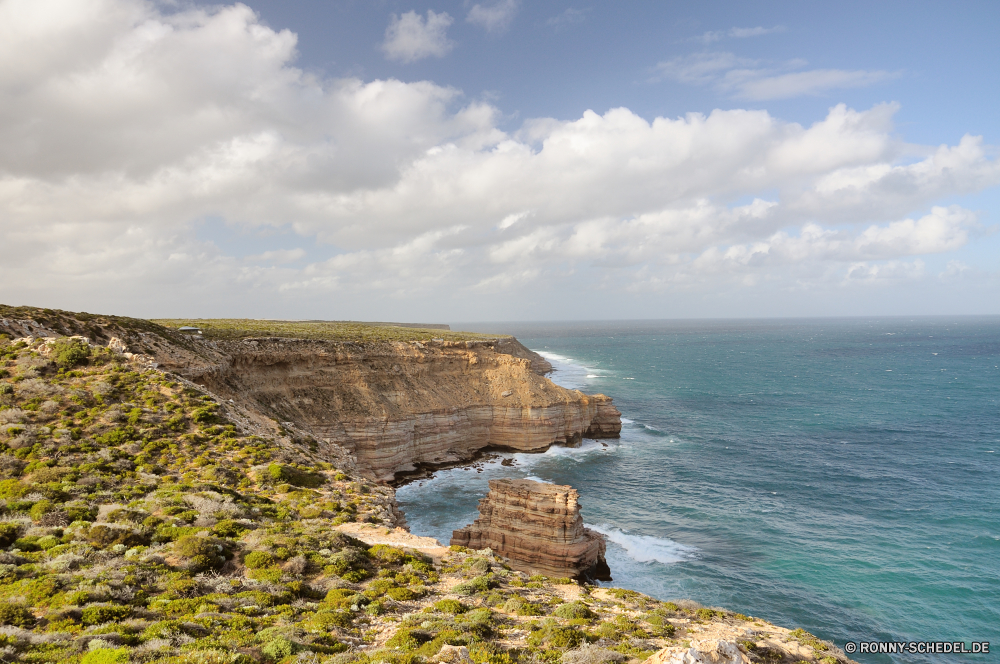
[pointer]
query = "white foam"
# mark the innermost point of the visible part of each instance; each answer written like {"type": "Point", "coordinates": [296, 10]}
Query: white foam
{"type": "Point", "coordinates": [647, 549]}
{"type": "Point", "coordinates": [567, 372]}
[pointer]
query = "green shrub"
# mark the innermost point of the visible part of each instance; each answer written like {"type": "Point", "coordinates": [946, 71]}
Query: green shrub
{"type": "Point", "coordinates": [479, 584]}
{"type": "Point", "coordinates": [401, 594]}
{"type": "Point", "coordinates": [229, 528]}
{"type": "Point", "coordinates": [8, 534]}
{"type": "Point", "coordinates": [15, 614]}
{"type": "Point", "coordinates": [40, 509]}
{"type": "Point", "coordinates": [356, 576]}
{"type": "Point", "coordinates": [280, 473]}
{"type": "Point", "coordinates": [96, 615]}
{"type": "Point", "coordinates": [326, 620]}
{"type": "Point", "coordinates": [389, 555]}
{"type": "Point", "coordinates": [452, 606]}
{"type": "Point", "coordinates": [102, 536]}
{"type": "Point", "coordinates": [554, 636]}
{"type": "Point", "coordinates": [258, 560]}
{"type": "Point", "coordinates": [12, 489]}
{"type": "Point", "coordinates": [478, 623]}
{"type": "Point", "coordinates": [489, 653]}
{"type": "Point", "coordinates": [203, 552]}
{"type": "Point", "coordinates": [6, 388]}
{"type": "Point", "coordinates": [574, 610]}
{"type": "Point", "coordinates": [278, 648]}
{"type": "Point", "coordinates": [106, 656]}
{"type": "Point", "coordinates": [206, 415]}
{"type": "Point", "coordinates": [529, 609]}
{"type": "Point", "coordinates": [68, 353]}
{"type": "Point", "coordinates": [270, 574]}
{"type": "Point", "coordinates": [408, 639]}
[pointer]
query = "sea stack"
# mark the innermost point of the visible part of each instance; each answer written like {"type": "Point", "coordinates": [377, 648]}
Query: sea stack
{"type": "Point", "coordinates": [539, 528]}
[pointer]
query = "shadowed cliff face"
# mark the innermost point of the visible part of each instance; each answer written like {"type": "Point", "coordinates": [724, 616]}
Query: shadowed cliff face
{"type": "Point", "coordinates": [396, 405]}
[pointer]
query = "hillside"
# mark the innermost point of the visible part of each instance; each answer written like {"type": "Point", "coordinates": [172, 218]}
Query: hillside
{"type": "Point", "coordinates": [146, 519]}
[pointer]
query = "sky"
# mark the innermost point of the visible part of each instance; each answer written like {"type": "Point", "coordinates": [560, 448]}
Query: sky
{"type": "Point", "coordinates": [500, 160]}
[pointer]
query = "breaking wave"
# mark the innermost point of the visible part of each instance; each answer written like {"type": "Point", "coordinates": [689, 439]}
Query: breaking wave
{"type": "Point", "coordinates": [647, 549]}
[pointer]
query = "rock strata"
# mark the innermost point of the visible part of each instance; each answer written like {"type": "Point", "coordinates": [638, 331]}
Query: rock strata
{"type": "Point", "coordinates": [539, 528]}
{"type": "Point", "coordinates": [399, 406]}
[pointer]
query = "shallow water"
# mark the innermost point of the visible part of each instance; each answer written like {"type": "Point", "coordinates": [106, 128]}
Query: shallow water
{"type": "Point", "coordinates": [836, 475]}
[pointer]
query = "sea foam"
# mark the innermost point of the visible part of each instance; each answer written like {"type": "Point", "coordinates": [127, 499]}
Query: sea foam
{"type": "Point", "coordinates": [645, 548]}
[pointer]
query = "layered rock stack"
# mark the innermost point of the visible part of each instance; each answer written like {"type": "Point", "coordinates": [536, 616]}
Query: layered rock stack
{"type": "Point", "coordinates": [539, 528]}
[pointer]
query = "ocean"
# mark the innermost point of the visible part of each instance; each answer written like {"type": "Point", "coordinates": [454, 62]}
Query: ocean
{"type": "Point", "coordinates": [839, 475]}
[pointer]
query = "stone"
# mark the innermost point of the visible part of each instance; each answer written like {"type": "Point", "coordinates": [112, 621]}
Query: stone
{"type": "Point", "coordinates": [709, 651]}
{"type": "Point", "coordinates": [539, 528]}
{"type": "Point", "coordinates": [453, 655]}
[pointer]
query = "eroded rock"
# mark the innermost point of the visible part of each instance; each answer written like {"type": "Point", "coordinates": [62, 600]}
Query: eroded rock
{"type": "Point", "coordinates": [539, 528]}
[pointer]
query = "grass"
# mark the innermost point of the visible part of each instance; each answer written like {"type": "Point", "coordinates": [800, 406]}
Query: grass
{"type": "Point", "coordinates": [241, 328]}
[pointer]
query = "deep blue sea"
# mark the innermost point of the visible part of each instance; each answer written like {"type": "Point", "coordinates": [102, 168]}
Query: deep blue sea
{"type": "Point", "coordinates": [842, 476]}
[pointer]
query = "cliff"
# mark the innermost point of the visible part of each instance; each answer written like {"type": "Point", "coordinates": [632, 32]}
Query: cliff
{"type": "Point", "coordinates": [396, 399]}
{"type": "Point", "coordinates": [399, 405]}
{"type": "Point", "coordinates": [539, 528]}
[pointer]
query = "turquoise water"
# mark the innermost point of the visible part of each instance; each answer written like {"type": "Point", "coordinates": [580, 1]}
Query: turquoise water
{"type": "Point", "coordinates": [837, 475]}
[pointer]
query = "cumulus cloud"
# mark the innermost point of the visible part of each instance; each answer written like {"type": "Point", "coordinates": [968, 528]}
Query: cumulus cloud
{"type": "Point", "coordinates": [495, 17]}
{"type": "Point", "coordinates": [746, 78]}
{"type": "Point", "coordinates": [411, 37]}
{"type": "Point", "coordinates": [123, 128]}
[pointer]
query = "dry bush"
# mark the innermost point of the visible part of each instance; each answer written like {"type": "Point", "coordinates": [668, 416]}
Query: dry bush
{"type": "Point", "coordinates": [211, 503]}
{"type": "Point", "coordinates": [296, 565]}
{"type": "Point", "coordinates": [37, 387]}
{"type": "Point", "coordinates": [11, 466]}
{"type": "Point", "coordinates": [12, 416]}
{"type": "Point", "coordinates": [591, 654]}
{"type": "Point", "coordinates": [24, 439]}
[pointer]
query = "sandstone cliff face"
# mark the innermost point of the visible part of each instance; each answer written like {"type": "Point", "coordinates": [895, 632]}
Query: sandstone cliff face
{"type": "Point", "coordinates": [539, 528]}
{"type": "Point", "coordinates": [397, 405]}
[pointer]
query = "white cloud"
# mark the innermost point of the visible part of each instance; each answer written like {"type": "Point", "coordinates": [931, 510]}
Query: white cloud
{"type": "Point", "coordinates": [745, 78]}
{"type": "Point", "coordinates": [278, 256]}
{"type": "Point", "coordinates": [738, 33]}
{"type": "Point", "coordinates": [411, 37]}
{"type": "Point", "coordinates": [495, 17]}
{"type": "Point", "coordinates": [569, 16]}
{"type": "Point", "coordinates": [121, 130]}
{"type": "Point", "coordinates": [758, 85]}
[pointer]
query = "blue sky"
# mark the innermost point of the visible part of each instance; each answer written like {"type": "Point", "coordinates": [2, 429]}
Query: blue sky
{"type": "Point", "coordinates": [500, 160]}
{"type": "Point", "coordinates": [558, 59]}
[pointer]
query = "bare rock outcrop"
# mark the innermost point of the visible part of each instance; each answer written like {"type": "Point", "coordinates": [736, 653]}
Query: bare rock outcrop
{"type": "Point", "coordinates": [539, 528]}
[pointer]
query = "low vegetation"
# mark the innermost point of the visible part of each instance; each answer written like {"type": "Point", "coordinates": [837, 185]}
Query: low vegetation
{"type": "Point", "coordinates": [240, 328]}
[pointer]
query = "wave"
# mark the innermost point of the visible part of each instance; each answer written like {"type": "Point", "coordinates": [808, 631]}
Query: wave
{"type": "Point", "coordinates": [645, 548]}
{"type": "Point", "coordinates": [567, 372]}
